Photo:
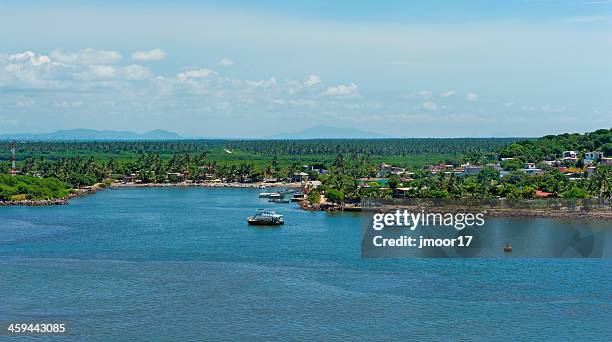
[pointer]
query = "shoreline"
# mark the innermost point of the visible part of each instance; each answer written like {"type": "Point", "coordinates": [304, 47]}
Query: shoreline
{"type": "Point", "coordinates": [55, 201]}
{"type": "Point", "coordinates": [599, 215]}
{"type": "Point", "coordinates": [115, 185]}
{"type": "Point", "coordinates": [254, 185]}
{"type": "Point", "coordinates": [593, 215]}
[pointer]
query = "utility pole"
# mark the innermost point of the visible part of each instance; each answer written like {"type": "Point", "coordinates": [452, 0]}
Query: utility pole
{"type": "Point", "coordinates": [13, 158]}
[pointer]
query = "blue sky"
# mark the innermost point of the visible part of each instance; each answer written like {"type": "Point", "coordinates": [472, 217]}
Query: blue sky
{"type": "Point", "coordinates": [252, 69]}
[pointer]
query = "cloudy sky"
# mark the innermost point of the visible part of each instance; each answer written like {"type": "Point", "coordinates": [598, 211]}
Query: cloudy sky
{"type": "Point", "coordinates": [402, 68]}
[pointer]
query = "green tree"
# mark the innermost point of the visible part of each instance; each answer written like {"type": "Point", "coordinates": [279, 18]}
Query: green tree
{"type": "Point", "coordinates": [334, 196]}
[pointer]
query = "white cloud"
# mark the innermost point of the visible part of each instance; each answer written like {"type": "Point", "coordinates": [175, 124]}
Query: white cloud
{"type": "Point", "coordinates": [342, 90]}
{"type": "Point", "coordinates": [29, 56]}
{"type": "Point", "coordinates": [426, 93]}
{"type": "Point", "coordinates": [312, 80]}
{"type": "Point", "coordinates": [197, 73]}
{"type": "Point", "coordinates": [28, 68]}
{"type": "Point", "coordinates": [137, 72]}
{"type": "Point", "coordinates": [87, 56]}
{"type": "Point", "coordinates": [471, 97]}
{"type": "Point", "coordinates": [225, 62]}
{"type": "Point", "coordinates": [303, 103]}
{"type": "Point", "coordinates": [430, 105]}
{"type": "Point", "coordinates": [263, 83]}
{"type": "Point", "coordinates": [97, 72]}
{"type": "Point", "coordinates": [448, 93]}
{"type": "Point", "coordinates": [151, 55]}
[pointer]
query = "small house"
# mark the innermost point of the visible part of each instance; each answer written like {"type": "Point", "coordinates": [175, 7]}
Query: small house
{"type": "Point", "coordinates": [472, 169]}
{"type": "Point", "coordinates": [590, 171]}
{"type": "Point", "coordinates": [595, 156]}
{"type": "Point", "coordinates": [570, 154]}
{"type": "Point", "coordinates": [533, 171]}
{"type": "Point", "coordinates": [542, 194]}
{"type": "Point", "coordinates": [299, 177]}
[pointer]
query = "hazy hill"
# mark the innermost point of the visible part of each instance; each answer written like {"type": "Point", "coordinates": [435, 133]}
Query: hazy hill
{"type": "Point", "coordinates": [92, 134]}
{"type": "Point", "coordinates": [319, 132]}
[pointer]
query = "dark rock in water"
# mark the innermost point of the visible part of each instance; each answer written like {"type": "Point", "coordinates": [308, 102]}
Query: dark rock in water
{"type": "Point", "coordinates": [36, 203]}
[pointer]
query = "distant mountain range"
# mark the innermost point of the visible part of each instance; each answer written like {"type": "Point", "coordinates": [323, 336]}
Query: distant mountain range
{"type": "Point", "coordinates": [328, 132]}
{"type": "Point", "coordinates": [316, 132]}
{"type": "Point", "coordinates": [92, 134]}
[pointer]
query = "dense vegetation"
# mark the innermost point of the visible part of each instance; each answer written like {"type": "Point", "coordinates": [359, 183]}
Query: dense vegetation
{"type": "Point", "coordinates": [317, 147]}
{"type": "Point", "coordinates": [551, 146]}
{"type": "Point", "coordinates": [31, 188]}
{"type": "Point", "coordinates": [86, 163]}
{"type": "Point", "coordinates": [488, 183]}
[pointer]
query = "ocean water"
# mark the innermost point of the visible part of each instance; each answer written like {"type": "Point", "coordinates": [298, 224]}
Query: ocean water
{"type": "Point", "coordinates": [182, 264]}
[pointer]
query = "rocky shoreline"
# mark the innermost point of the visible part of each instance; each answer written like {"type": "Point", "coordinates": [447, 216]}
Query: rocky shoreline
{"type": "Point", "coordinates": [34, 203]}
{"type": "Point", "coordinates": [55, 201]}
{"type": "Point", "coordinates": [590, 215]}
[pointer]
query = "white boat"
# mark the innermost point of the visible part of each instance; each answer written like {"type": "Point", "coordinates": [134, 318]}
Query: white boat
{"type": "Point", "coordinates": [266, 218]}
{"type": "Point", "coordinates": [271, 195]}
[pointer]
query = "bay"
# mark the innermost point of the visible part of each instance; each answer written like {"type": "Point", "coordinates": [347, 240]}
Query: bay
{"type": "Point", "coordinates": [182, 264]}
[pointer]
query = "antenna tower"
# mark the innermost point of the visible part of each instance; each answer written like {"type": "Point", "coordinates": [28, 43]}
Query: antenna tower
{"type": "Point", "coordinates": [13, 158]}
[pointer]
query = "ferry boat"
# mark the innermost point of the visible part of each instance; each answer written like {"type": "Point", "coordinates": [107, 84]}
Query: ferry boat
{"type": "Point", "coordinates": [266, 218]}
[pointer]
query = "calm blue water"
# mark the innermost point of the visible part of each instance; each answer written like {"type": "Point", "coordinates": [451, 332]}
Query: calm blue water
{"type": "Point", "coordinates": [182, 264]}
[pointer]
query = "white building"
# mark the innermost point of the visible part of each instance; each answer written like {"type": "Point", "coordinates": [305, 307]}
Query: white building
{"type": "Point", "coordinates": [590, 171]}
{"type": "Point", "coordinates": [533, 171]}
{"type": "Point", "coordinates": [570, 154]}
{"type": "Point", "coordinates": [593, 156]}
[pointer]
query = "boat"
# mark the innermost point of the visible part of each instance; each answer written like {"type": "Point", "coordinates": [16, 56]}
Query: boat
{"type": "Point", "coordinates": [298, 197]}
{"type": "Point", "coordinates": [507, 248]}
{"type": "Point", "coordinates": [271, 195]}
{"type": "Point", "coordinates": [278, 200]}
{"type": "Point", "coordinates": [266, 218]}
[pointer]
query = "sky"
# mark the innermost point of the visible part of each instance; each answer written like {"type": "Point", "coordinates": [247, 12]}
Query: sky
{"type": "Point", "coordinates": [259, 68]}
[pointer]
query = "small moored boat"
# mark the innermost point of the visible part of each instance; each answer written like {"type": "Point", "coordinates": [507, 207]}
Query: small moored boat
{"type": "Point", "coordinates": [278, 200]}
{"type": "Point", "coordinates": [298, 197]}
{"type": "Point", "coordinates": [266, 218]}
{"type": "Point", "coordinates": [271, 195]}
{"type": "Point", "coordinates": [507, 248]}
